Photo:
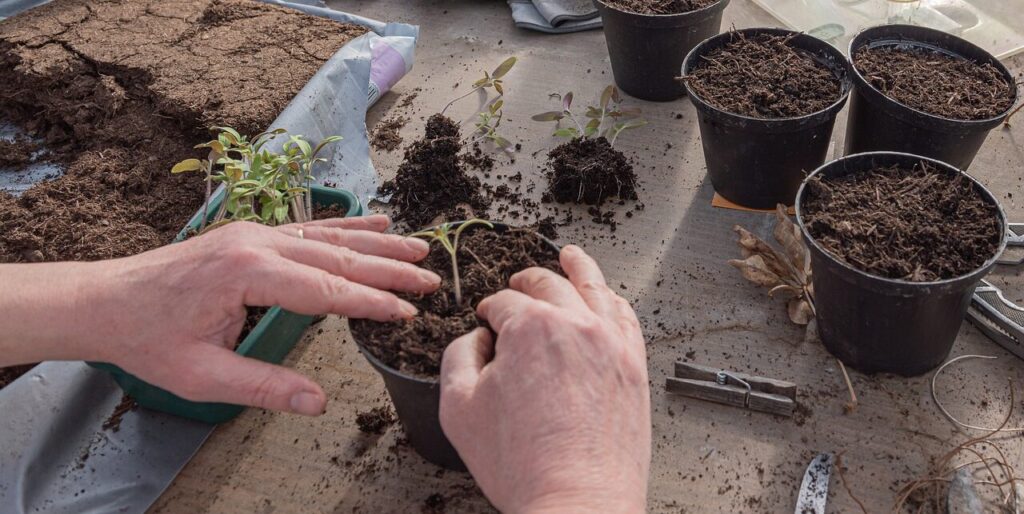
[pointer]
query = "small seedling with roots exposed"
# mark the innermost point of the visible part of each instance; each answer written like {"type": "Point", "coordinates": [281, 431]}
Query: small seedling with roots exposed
{"type": "Point", "coordinates": [606, 120]}
{"type": "Point", "coordinates": [449, 239]}
{"type": "Point", "coordinates": [260, 185]}
{"type": "Point", "coordinates": [489, 119]}
{"type": "Point", "coordinates": [493, 79]}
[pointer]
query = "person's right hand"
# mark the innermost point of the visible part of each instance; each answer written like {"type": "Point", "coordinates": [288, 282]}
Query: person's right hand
{"type": "Point", "coordinates": [559, 419]}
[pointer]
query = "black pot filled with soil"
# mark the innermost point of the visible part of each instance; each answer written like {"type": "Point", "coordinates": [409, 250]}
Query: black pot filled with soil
{"type": "Point", "coordinates": [924, 92]}
{"type": "Point", "coordinates": [897, 244]}
{"type": "Point", "coordinates": [647, 41]}
{"type": "Point", "coordinates": [766, 101]}
{"type": "Point", "coordinates": [408, 354]}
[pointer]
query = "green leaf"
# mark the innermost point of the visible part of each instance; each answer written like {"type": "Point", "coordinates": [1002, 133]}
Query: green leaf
{"type": "Point", "coordinates": [502, 142]}
{"type": "Point", "coordinates": [567, 132]}
{"type": "Point", "coordinates": [606, 96]}
{"type": "Point", "coordinates": [504, 67]}
{"type": "Point", "coordinates": [496, 105]}
{"type": "Point", "coordinates": [281, 213]}
{"type": "Point", "coordinates": [633, 124]}
{"type": "Point", "coordinates": [593, 112]}
{"type": "Point", "coordinates": [548, 116]}
{"type": "Point", "coordinates": [498, 87]}
{"type": "Point", "coordinates": [187, 165]}
{"type": "Point", "coordinates": [484, 82]}
{"type": "Point", "coordinates": [591, 128]}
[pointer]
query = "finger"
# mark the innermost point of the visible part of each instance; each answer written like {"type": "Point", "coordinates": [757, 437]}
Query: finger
{"type": "Point", "coordinates": [502, 306]}
{"type": "Point", "coordinates": [216, 374]}
{"type": "Point", "coordinates": [586, 277]}
{"type": "Point", "coordinates": [308, 290]}
{"type": "Point", "coordinates": [463, 361]}
{"type": "Point", "coordinates": [374, 223]}
{"type": "Point", "coordinates": [366, 242]}
{"type": "Point", "coordinates": [544, 284]}
{"type": "Point", "coordinates": [370, 270]}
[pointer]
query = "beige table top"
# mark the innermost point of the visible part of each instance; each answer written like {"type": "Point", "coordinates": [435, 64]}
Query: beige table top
{"type": "Point", "coordinates": [706, 457]}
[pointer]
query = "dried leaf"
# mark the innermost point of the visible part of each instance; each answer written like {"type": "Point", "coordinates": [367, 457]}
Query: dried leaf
{"type": "Point", "coordinates": [753, 245]}
{"type": "Point", "coordinates": [788, 235]}
{"type": "Point", "coordinates": [187, 165]}
{"type": "Point", "coordinates": [756, 270]}
{"type": "Point", "coordinates": [785, 288]}
{"type": "Point", "coordinates": [800, 311]}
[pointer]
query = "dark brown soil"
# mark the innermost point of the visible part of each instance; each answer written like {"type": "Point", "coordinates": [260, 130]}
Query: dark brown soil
{"type": "Point", "coordinates": [486, 261]}
{"type": "Point", "coordinates": [113, 422]}
{"type": "Point", "coordinates": [936, 83]}
{"type": "Point", "coordinates": [385, 135]}
{"type": "Point", "coordinates": [917, 224]}
{"type": "Point", "coordinates": [432, 184]}
{"type": "Point", "coordinates": [764, 76]}
{"type": "Point", "coordinates": [17, 153]}
{"type": "Point", "coordinates": [10, 374]}
{"type": "Point", "coordinates": [589, 171]}
{"type": "Point", "coordinates": [659, 6]}
{"type": "Point", "coordinates": [376, 420]}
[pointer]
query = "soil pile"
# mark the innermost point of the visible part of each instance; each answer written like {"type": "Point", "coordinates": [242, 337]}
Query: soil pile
{"type": "Point", "coordinates": [659, 6]}
{"type": "Point", "coordinates": [918, 224]}
{"type": "Point", "coordinates": [486, 261]}
{"type": "Point", "coordinates": [432, 184]}
{"type": "Point", "coordinates": [936, 83]}
{"type": "Point", "coordinates": [386, 134]}
{"type": "Point", "coordinates": [764, 76]}
{"type": "Point", "coordinates": [376, 420]}
{"type": "Point", "coordinates": [589, 170]}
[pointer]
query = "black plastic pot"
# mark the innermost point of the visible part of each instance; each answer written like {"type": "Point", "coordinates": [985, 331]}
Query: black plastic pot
{"type": "Point", "coordinates": [877, 122]}
{"type": "Point", "coordinates": [646, 50]}
{"type": "Point", "coordinates": [877, 324]}
{"type": "Point", "coordinates": [418, 399]}
{"type": "Point", "coordinates": [759, 163]}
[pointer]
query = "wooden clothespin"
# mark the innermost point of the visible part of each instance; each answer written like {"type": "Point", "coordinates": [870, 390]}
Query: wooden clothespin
{"type": "Point", "coordinates": [731, 388]}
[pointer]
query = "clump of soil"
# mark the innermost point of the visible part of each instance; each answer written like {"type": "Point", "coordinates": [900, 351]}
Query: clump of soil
{"type": "Point", "coordinates": [486, 260]}
{"type": "Point", "coordinates": [17, 153]}
{"type": "Point", "coordinates": [936, 83]}
{"type": "Point", "coordinates": [590, 171]}
{"type": "Point", "coordinates": [659, 6]}
{"type": "Point", "coordinates": [385, 135]}
{"type": "Point", "coordinates": [432, 183]}
{"type": "Point", "coordinates": [376, 420]}
{"type": "Point", "coordinates": [764, 76]}
{"type": "Point", "coordinates": [113, 422]}
{"type": "Point", "coordinates": [919, 224]}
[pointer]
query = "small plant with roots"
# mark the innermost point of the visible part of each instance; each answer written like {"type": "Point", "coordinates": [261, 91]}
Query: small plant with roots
{"type": "Point", "coordinates": [489, 119]}
{"type": "Point", "coordinates": [448, 235]}
{"type": "Point", "coordinates": [606, 119]}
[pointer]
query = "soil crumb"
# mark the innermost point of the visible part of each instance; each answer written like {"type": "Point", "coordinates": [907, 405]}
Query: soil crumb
{"type": "Point", "coordinates": [386, 134]}
{"type": "Point", "coordinates": [659, 6]}
{"type": "Point", "coordinates": [764, 76]}
{"type": "Point", "coordinates": [376, 420]}
{"type": "Point", "coordinates": [113, 422]}
{"type": "Point", "coordinates": [17, 153]}
{"type": "Point", "coordinates": [936, 83]}
{"type": "Point", "coordinates": [11, 373]}
{"type": "Point", "coordinates": [590, 171]}
{"type": "Point", "coordinates": [486, 258]}
{"type": "Point", "coordinates": [919, 224]}
{"type": "Point", "coordinates": [432, 184]}
{"type": "Point", "coordinates": [435, 504]}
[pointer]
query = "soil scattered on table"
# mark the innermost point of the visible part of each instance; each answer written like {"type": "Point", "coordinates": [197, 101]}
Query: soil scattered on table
{"type": "Point", "coordinates": [659, 6]}
{"type": "Point", "coordinates": [936, 83]}
{"type": "Point", "coordinates": [764, 76]}
{"type": "Point", "coordinates": [17, 153]}
{"type": "Point", "coordinates": [590, 171]}
{"type": "Point", "coordinates": [918, 224]}
{"type": "Point", "coordinates": [386, 134]}
{"type": "Point", "coordinates": [432, 184]}
{"type": "Point", "coordinates": [486, 260]}
{"type": "Point", "coordinates": [376, 420]}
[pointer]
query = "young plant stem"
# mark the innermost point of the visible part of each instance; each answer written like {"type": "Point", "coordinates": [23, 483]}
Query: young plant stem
{"type": "Point", "coordinates": [471, 91]}
{"type": "Point", "coordinates": [455, 278]}
{"type": "Point", "coordinates": [209, 192]}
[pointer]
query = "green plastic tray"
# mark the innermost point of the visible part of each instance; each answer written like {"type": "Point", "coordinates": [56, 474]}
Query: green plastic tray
{"type": "Point", "coordinates": [270, 341]}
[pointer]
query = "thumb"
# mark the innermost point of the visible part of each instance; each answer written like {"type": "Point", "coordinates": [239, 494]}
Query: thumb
{"type": "Point", "coordinates": [221, 375]}
{"type": "Point", "coordinates": [463, 361]}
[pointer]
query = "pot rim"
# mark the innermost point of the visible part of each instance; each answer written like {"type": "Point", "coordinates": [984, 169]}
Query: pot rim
{"type": "Point", "coordinates": [380, 365]}
{"type": "Point", "coordinates": [694, 12]}
{"type": "Point", "coordinates": [861, 39]}
{"type": "Point", "coordinates": [846, 84]}
{"type": "Point", "coordinates": [848, 268]}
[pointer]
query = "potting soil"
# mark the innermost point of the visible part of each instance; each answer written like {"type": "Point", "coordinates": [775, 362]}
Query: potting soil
{"type": "Point", "coordinates": [764, 76]}
{"type": "Point", "coordinates": [486, 260]}
{"type": "Point", "coordinates": [917, 224]}
{"type": "Point", "coordinates": [659, 6]}
{"type": "Point", "coordinates": [936, 83]}
{"type": "Point", "coordinates": [590, 171]}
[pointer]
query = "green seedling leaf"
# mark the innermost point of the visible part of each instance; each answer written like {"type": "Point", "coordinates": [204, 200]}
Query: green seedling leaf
{"type": "Point", "coordinates": [591, 128]}
{"type": "Point", "coordinates": [496, 106]}
{"type": "Point", "coordinates": [187, 165]}
{"type": "Point", "coordinates": [498, 87]}
{"type": "Point", "coordinates": [594, 112]}
{"type": "Point", "coordinates": [504, 67]}
{"type": "Point", "coordinates": [566, 132]}
{"type": "Point", "coordinates": [548, 116]}
{"type": "Point", "coordinates": [631, 124]}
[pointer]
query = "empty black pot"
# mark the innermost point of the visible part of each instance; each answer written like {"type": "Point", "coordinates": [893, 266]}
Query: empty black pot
{"type": "Point", "coordinates": [418, 399]}
{"type": "Point", "coordinates": [760, 163]}
{"type": "Point", "coordinates": [877, 122]}
{"type": "Point", "coordinates": [877, 324]}
{"type": "Point", "coordinates": [647, 49]}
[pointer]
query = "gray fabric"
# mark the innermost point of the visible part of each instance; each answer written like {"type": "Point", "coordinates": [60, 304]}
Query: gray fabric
{"type": "Point", "coordinates": [555, 16]}
{"type": "Point", "coordinates": [55, 457]}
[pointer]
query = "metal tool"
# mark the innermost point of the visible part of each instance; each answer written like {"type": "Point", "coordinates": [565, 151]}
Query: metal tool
{"type": "Point", "coordinates": [814, 489]}
{"type": "Point", "coordinates": [1014, 238]}
{"type": "Point", "coordinates": [733, 388]}
{"type": "Point", "coordinates": [998, 318]}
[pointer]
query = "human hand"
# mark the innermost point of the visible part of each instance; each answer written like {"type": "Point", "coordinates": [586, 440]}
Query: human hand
{"type": "Point", "coordinates": [178, 310]}
{"type": "Point", "coordinates": [559, 419]}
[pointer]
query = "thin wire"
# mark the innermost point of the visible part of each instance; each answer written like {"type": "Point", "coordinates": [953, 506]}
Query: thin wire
{"type": "Point", "coordinates": [946, 413]}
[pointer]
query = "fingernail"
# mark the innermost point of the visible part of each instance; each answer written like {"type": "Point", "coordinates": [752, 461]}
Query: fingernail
{"type": "Point", "coordinates": [306, 403]}
{"type": "Point", "coordinates": [417, 245]}
{"type": "Point", "coordinates": [430, 277]}
{"type": "Point", "coordinates": [408, 309]}
{"type": "Point", "coordinates": [571, 249]}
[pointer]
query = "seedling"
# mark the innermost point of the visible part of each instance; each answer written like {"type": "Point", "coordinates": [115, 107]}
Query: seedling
{"type": "Point", "coordinates": [494, 79]}
{"type": "Point", "coordinates": [262, 186]}
{"type": "Point", "coordinates": [449, 239]}
{"type": "Point", "coordinates": [606, 120]}
{"type": "Point", "coordinates": [488, 125]}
